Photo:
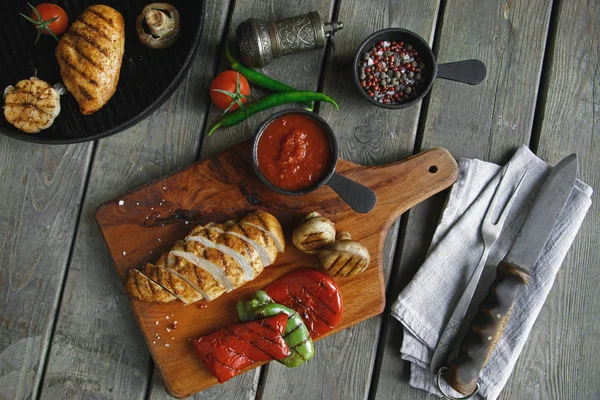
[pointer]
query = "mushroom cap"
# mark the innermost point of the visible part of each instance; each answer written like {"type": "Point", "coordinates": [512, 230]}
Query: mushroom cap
{"type": "Point", "coordinates": [314, 233]}
{"type": "Point", "coordinates": [158, 25]}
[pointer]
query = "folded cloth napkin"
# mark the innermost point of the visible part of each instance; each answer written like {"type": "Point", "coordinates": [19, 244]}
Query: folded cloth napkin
{"type": "Point", "coordinates": [427, 302]}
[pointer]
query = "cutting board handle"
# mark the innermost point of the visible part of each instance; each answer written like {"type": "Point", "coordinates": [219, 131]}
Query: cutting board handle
{"type": "Point", "coordinates": [401, 185]}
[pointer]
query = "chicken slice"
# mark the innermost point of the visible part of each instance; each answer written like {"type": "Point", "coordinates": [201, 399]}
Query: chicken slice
{"type": "Point", "coordinates": [143, 288]}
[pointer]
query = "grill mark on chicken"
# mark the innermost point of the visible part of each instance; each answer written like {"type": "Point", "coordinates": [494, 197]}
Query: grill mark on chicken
{"type": "Point", "coordinates": [79, 72]}
{"type": "Point", "coordinates": [94, 28]}
{"type": "Point", "coordinates": [266, 237]}
{"type": "Point", "coordinates": [85, 93]}
{"type": "Point", "coordinates": [83, 55]}
{"type": "Point", "coordinates": [92, 42]}
{"type": "Point", "coordinates": [109, 21]}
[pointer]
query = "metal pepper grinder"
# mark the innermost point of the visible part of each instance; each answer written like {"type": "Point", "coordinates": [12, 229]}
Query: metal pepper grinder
{"type": "Point", "coordinates": [260, 42]}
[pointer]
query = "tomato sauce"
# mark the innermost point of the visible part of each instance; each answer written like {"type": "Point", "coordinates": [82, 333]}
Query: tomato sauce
{"type": "Point", "coordinates": [294, 152]}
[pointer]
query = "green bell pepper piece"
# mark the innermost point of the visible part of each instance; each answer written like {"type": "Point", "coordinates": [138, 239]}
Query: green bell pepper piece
{"type": "Point", "coordinates": [296, 335]}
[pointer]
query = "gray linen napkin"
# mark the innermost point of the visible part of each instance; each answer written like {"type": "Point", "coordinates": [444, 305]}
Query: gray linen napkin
{"type": "Point", "coordinates": [427, 302]}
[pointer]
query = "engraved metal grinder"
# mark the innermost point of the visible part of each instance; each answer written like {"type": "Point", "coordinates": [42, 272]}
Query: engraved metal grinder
{"type": "Point", "coordinates": [260, 42]}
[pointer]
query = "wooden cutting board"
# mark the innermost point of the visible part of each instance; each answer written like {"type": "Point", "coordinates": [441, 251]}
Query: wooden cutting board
{"type": "Point", "coordinates": [140, 226]}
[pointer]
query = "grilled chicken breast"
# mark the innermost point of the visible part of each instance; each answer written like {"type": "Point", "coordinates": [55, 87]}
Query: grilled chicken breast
{"type": "Point", "coordinates": [90, 56]}
{"type": "Point", "coordinates": [212, 260]}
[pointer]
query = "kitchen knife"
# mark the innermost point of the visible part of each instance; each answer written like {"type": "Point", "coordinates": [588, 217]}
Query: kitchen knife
{"type": "Point", "coordinates": [513, 272]}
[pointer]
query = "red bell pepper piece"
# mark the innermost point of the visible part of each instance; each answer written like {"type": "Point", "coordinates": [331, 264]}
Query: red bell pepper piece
{"type": "Point", "coordinates": [226, 352]}
{"type": "Point", "coordinates": [312, 294]}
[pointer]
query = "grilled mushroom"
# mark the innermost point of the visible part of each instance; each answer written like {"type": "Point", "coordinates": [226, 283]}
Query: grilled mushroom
{"type": "Point", "coordinates": [314, 232]}
{"type": "Point", "coordinates": [158, 25]}
{"type": "Point", "coordinates": [346, 257]}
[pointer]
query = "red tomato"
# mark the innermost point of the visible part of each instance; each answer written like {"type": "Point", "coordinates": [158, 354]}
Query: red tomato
{"type": "Point", "coordinates": [312, 294]}
{"type": "Point", "coordinates": [227, 81]}
{"type": "Point", "coordinates": [48, 11]}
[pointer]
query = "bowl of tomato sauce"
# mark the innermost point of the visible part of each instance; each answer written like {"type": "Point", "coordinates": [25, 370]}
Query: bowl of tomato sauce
{"type": "Point", "coordinates": [295, 152]}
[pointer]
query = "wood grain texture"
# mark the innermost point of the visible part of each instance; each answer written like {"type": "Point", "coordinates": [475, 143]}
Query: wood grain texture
{"type": "Point", "coordinates": [487, 121]}
{"type": "Point", "coordinates": [367, 135]}
{"type": "Point", "coordinates": [561, 358]}
{"type": "Point", "coordinates": [490, 120]}
{"type": "Point", "coordinates": [225, 187]}
{"type": "Point", "coordinates": [41, 188]}
{"type": "Point", "coordinates": [97, 351]}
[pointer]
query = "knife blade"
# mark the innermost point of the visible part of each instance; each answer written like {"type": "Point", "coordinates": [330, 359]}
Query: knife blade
{"type": "Point", "coordinates": [513, 272]}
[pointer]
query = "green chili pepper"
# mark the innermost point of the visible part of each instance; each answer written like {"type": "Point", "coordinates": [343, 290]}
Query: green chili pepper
{"type": "Point", "coordinates": [296, 335]}
{"type": "Point", "coordinates": [256, 77]}
{"type": "Point", "coordinates": [270, 101]}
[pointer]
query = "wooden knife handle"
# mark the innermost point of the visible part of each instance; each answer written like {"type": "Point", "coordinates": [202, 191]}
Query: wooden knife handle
{"type": "Point", "coordinates": [486, 329]}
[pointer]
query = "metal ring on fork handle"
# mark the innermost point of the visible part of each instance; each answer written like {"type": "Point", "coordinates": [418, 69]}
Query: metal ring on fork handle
{"type": "Point", "coordinates": [446, 395]}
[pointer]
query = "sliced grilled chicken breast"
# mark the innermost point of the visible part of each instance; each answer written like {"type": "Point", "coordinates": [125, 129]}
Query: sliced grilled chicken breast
{"type": "Point", "coordinates": [143, 288]}
{"type": "Point", "coordinates": [90, 56]}
{"type": "Point", "coordinates": [216, 258]}
{"type": "Point", "coordinates": [182, 290]}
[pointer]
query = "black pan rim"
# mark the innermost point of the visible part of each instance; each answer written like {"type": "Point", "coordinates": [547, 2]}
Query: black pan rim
{"type": "Point", "coordinates": [160, 100]}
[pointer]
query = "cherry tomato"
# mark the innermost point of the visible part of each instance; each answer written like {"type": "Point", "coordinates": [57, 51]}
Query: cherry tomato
{"type": "Point", "coordinates": [228, 81]}
{"type": "Point", "coordinates": [312, 294]}
{"type": "Point", "coordinates": [48, 11]}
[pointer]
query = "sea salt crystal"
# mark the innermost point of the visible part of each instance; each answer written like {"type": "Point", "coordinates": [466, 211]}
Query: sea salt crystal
{"type": "Point", "coordinates": [164, 188]}
{"type": "Point", "coordinates": [137, 202]}
{"type": "Point", "coordinates": [168, 330]}
{"type": "Point", "coordinates": [167, 344]}
{"type": "Point", "coordinates": [121, 202]}
{"type": "Point", "coordinates": [370, 62]}
{"type": "Point", "coordinates": [124, 253]}
{"type": "Point", "coordinates": [152, 208]}
{"type": "Point", "coordinates": [159, 239]}
{"type": "Point", "coordinates": [166, 317]}
{"type": "Point", "coordinates": [156, 322]}
{"type": "Point", "coordinates": [154, 342]}
{"type": "Point", "coordinates": [187, 222]}
{"type": "Point", "coordinates": [380, 53]}
{"type": "Point", "coordinates": [173, 338]}
{"type": "Point", "coordinates": [386, 44]}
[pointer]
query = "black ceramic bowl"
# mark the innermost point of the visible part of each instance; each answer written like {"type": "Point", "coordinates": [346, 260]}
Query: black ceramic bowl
{"type": "Point", "coordinates": [360, 198]}
{"type": "Point", "coordinates": [469, 71]}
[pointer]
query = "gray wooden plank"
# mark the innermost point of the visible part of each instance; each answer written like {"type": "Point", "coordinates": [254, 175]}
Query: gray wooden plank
{"type": "Point", "coordinates": [97, 350]}
{"type": "Point", "coordinates": [487, 121]}
{"type": "Point", "coordinates": [367, 134]}
{"type": "Point", "coordinates": [41, 188]}
{"type": "Point", "coordinates": [561, 359]}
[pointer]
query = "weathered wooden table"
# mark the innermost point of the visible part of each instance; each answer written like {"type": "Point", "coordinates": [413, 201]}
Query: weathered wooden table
{"type": "Point", "coordinates": [66, 329]}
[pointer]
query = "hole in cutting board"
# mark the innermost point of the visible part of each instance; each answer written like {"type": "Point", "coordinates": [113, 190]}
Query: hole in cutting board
{"type": "Point", "coordinates": [433, 169]}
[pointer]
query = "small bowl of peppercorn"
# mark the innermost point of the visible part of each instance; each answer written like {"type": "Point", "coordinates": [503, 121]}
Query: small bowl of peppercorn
{"type": "Point", "coordinates": [395, 68]}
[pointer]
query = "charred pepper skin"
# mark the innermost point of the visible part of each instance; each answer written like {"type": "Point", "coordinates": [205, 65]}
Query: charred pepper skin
{"type": "Point", "coordinates": [296, 334]}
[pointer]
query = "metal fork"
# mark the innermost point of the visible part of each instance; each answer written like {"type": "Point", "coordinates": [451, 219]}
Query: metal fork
{"type": "Point", "coordinates": [490, 232]}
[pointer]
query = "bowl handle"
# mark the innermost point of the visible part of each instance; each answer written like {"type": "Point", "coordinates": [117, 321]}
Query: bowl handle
{"type": "Point", "coordinates": [359, 197]}
{"type": "Point", "coordinates": [468, 71]}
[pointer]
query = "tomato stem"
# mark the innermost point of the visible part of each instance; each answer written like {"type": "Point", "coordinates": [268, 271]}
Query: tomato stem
{"type": "Point", "coordinates": [40, 24]}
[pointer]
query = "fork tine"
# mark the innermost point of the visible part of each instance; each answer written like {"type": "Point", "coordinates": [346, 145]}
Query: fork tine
{"type": "Point", "coordinates": [488, 215]}
{"type": "Point", "coordinates": [511, 200]}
